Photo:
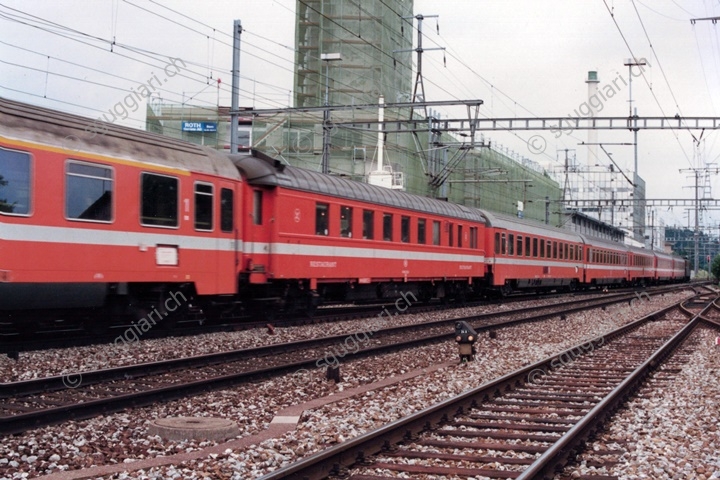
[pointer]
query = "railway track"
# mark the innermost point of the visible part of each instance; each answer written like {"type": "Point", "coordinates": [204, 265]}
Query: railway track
{"type": "Point", "coordinates": [605, 455]}
{"type": "Point", "coordinates": [77, 395]}
{"type": "Point", "coordinates": [524, 425]}
{"type": "Point", "coordinates": [196, 323]}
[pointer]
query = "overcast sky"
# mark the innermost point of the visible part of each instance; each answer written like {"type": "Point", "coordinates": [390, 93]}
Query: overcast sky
{"type": "Point", "coordinates": [524, 58]}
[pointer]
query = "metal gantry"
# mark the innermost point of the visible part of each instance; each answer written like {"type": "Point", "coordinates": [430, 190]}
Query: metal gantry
{"type": "Point", "coordinates": [559, 125]}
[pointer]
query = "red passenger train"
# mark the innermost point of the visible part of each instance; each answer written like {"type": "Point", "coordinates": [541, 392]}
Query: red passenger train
{"type": "Point", "coordinates": [126, 219]}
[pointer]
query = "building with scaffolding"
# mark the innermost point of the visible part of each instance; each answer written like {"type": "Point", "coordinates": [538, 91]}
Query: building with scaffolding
{"type": "Point", "coordinates": [613, 189]}
{"type": "Point", "coordinates": [619, 194]}
{"type": "Point", "coordinates": [349, 54]}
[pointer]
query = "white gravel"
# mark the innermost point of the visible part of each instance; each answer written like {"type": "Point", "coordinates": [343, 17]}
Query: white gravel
{"type": "Point", "coordinates": [336, 422]}
{"type": "Point", "coordinates": [122, 437]}
{"type": "Point", "coordinates": [671, 429]}
{"type": "Point", "coordinates": [125, 350]}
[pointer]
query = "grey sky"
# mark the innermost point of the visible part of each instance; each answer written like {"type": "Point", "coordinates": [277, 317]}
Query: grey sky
{"type": "Point", "coordinates": [522, 57]}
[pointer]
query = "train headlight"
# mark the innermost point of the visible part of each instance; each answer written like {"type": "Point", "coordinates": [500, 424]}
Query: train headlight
{"type": "Point", "coordinates": [471, 338]}
{"type": "Point", "coordinates": [458, 338]}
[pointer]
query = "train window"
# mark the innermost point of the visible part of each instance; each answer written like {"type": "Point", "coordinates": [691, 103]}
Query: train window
{"type": "Point", "coordinates": [542, 248]}
{"type": "Point", "coordinates": [451, 231]}
{"type": "Point", "coordinates": [460, 235]}
{"type": "Point", "coordinates": [519, 248]}
{"type": "Point", "coordinates": [497, 242]}
{"type": "Point", "coordinates": [473, 237]}
{"type": "Point", "coordinates": [503, 247]}
{"type": "Point", "coordinates": [555, 250]}
{"type": "Point", "coordinates": [346, 221]}
{"type": "Point", "coordinates": [159, 206]}
{"type": "Point", "coordinates": [405, 229]}
{"type": "Point", "coordinates": [203, 206]}
{"type": "Point", "coordinates": [226, 209]}
{"type": "Point", "coordinates": [548, 252]}
{"type": "Point", "coordinates": [257, 207]}
{"type": "Point", "coordinates": [561, 251]}
{"type": "Point", "coordinates": [511, 244]}
{"type": "Point", "coordinates": [368, 224]}
{"type": "Point", "coordinates": [388, 227]}
{"type": "Point", "coordinates": [527, 246]}
{"type": "Point", "coordinates": [14, 182]}
{"type": "Point", "coordinates": [321, 218]}
{"type": "Point", "coordinates": [421, 231]}
{"type": "Point", "coordinates": [436, 232]}
{"type": "Point", "coordinates": [88, 192]}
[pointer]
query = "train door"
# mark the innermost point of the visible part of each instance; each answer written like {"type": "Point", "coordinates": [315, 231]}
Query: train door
{"type": "Point", "coordinates": [258, 234]}
{"type": "Point", "coordinates": [229, 242]}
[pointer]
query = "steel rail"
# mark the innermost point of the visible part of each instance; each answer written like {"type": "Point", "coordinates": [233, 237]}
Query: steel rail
{"type": "Point", "coordinates": [60, 382]}
{"type": "Point", "coordinates": [558, 454]}
{"type": "Point", "coordinates": [334, 460]}
{"type": "Point", "coordinates": [22, 422]}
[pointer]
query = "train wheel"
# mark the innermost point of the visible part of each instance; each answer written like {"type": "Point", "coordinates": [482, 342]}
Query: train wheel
{"type": "Point", "coordinates": [311, 304]}
{"type": "Point", "coordinates": [310, 311]}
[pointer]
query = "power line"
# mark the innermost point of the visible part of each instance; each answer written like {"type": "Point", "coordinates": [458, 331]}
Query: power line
{"type": "Point", "coordinates": [652, 92]}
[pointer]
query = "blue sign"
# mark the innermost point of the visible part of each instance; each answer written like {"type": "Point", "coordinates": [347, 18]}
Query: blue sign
{"type": "Point", "coordinates": [199, 126]}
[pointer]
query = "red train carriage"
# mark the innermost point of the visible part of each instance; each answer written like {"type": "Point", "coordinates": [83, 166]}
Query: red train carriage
{"type": "Point", "coordinates": [664, 271]}
{"type": "Point", "coordinates": [528, 255]}
{"type": "Point", "coordinates": [681, 269]}
{"type": "Point", "coordinates": [122, 214]}
{"type": "Point", "coordinates": [100, 215]}
{"type": "Point", "coordinates": [641, 266]}
{"type": "Point", "coordinates": [308, 233]}
{"type": "Point", "coordinates": [606, 263]}
{"type": "Point", "coordinates": [669, 268]}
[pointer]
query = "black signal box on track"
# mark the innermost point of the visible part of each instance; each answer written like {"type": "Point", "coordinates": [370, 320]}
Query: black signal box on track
{"type": "Point", "coordinates": [465, 336]}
